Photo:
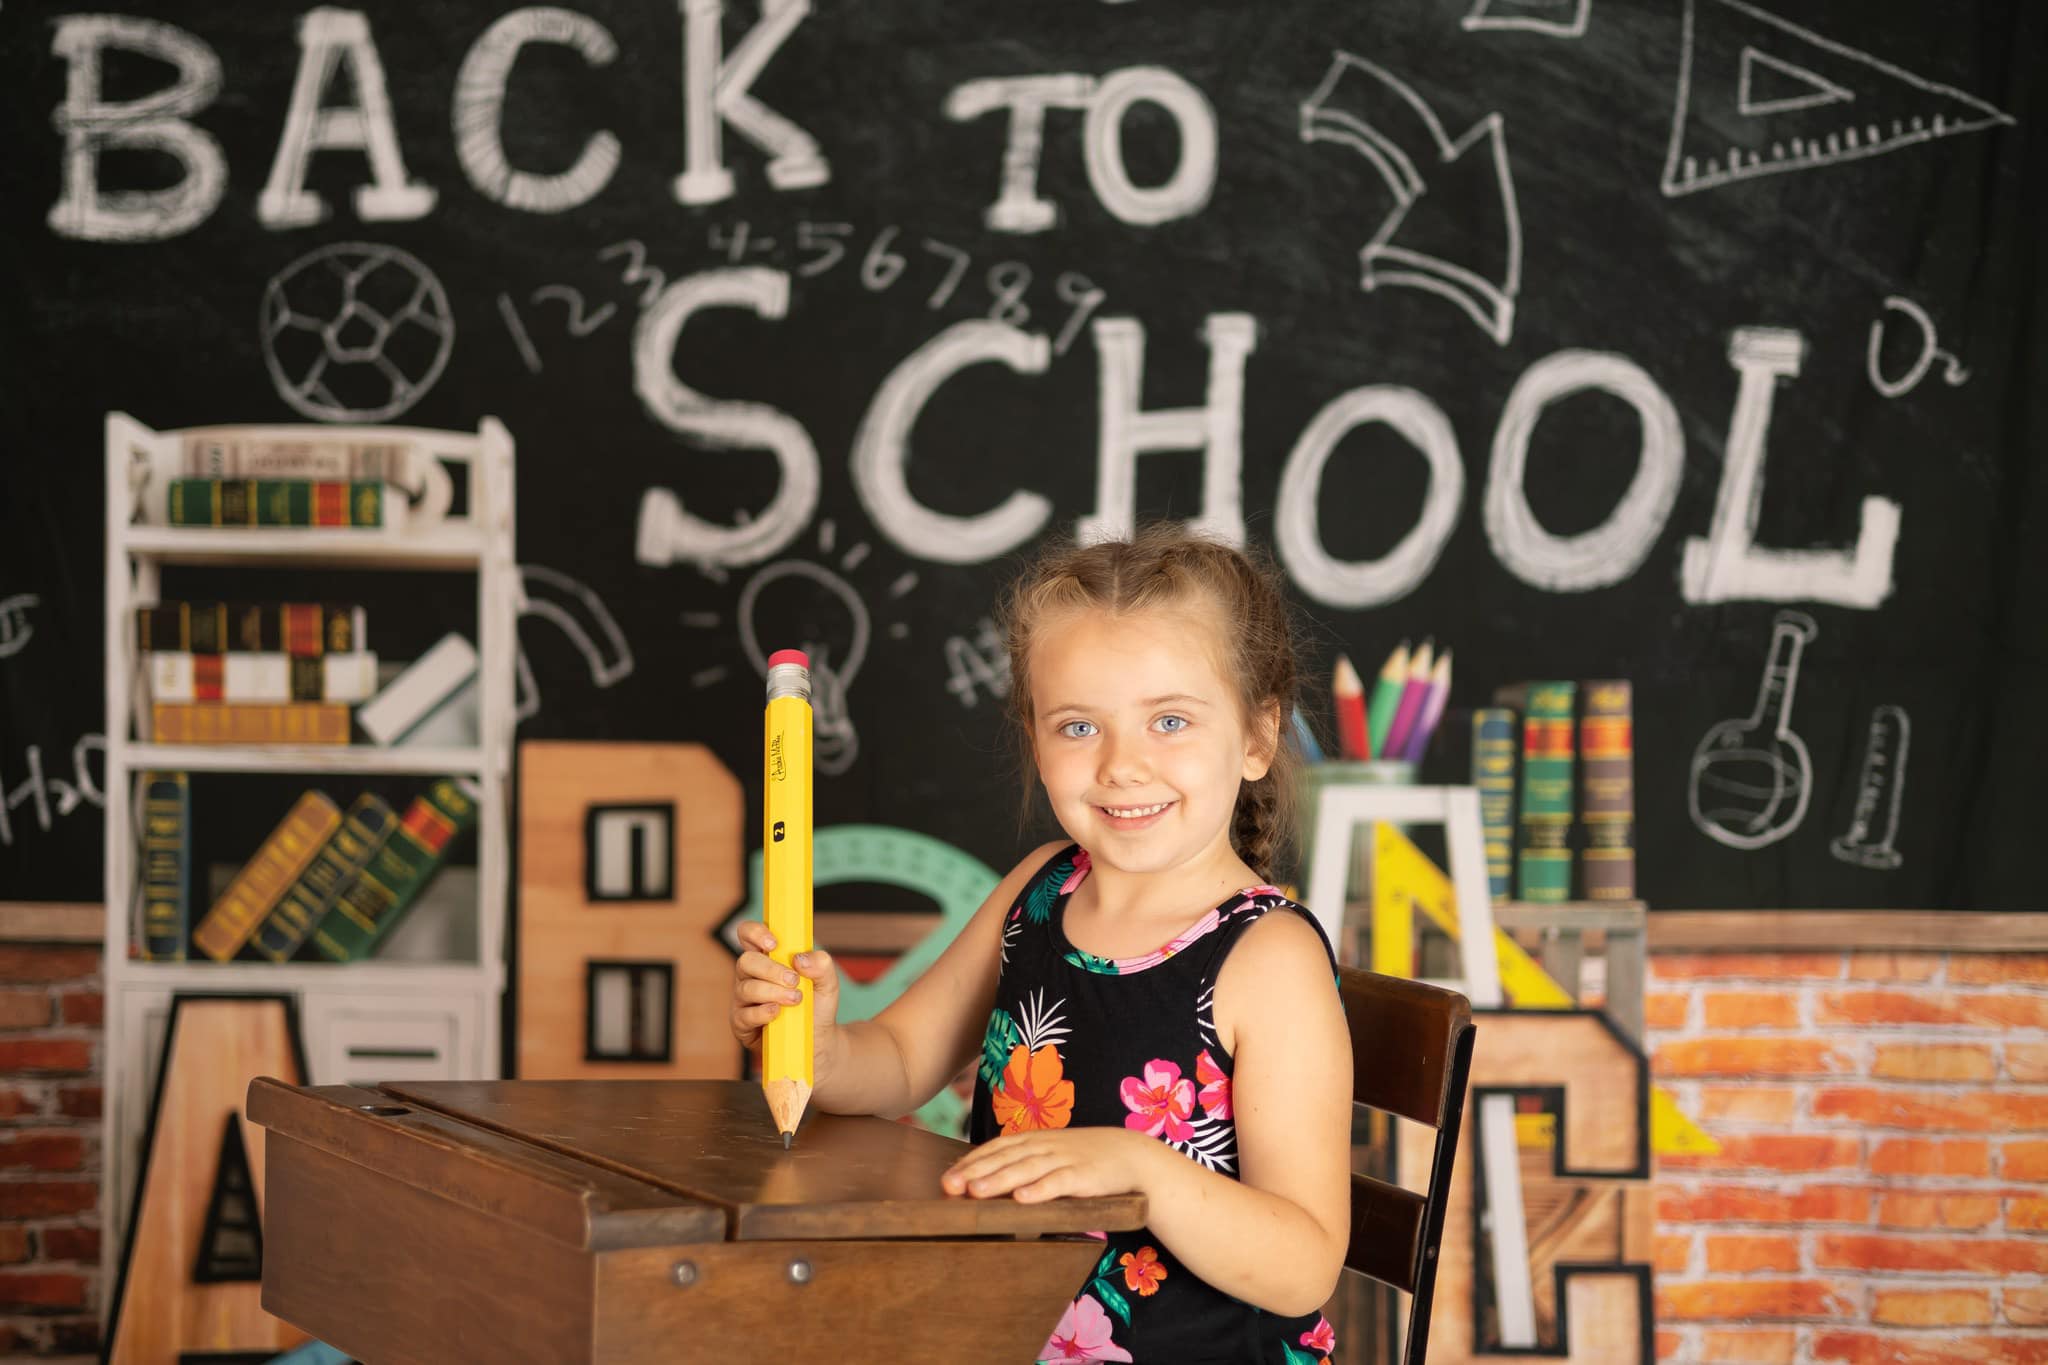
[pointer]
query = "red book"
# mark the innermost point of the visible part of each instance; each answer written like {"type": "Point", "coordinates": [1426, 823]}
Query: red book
{"type": "Point", "coordinates": [303, 633]}
{"type": "Point", "coordinates": [208, 671]}
{"type": "Point", "coordinates": [330, 504]}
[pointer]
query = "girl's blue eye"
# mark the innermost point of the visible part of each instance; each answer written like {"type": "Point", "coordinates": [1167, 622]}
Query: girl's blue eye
{"type": "Point", "coordinates": [1070, 732]}
{"type": "Point", "coordinates": [1173, 724]}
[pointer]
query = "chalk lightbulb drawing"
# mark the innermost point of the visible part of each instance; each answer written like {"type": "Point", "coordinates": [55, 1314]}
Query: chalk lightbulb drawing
{"type": "Point", "coordinates": [1752, 776]}
{"type": "Point", "coordinates": [807, 602]}
{"type": "Point", "coordinates": [355, 332]}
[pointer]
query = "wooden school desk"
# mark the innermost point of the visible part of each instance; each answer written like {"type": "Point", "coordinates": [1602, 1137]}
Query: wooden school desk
{"type": "Point", "coordinates": [617, 1222]}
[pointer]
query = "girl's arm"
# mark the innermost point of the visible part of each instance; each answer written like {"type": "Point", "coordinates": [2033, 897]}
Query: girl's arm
{"type": "Point", "coordinates": [1275, 1237]}
{"type": "Point", "coordinates": [893, 1063]}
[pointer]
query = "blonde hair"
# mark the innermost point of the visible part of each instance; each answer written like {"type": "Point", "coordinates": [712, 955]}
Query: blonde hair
{"type": "Point", "coordinates": [1167, 566]}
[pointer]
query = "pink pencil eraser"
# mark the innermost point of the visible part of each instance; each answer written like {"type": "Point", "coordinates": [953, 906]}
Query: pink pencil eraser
{"type": "Point", "coordinates": [789, 656]}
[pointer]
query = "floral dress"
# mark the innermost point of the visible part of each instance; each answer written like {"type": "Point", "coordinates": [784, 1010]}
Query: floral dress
{"type": "Point", "coordinates": [1076, 1040]}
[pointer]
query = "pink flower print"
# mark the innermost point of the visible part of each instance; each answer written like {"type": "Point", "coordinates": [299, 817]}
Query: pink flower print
{"type": "Point", "coordinates": [1215, 1086]}
{"type": "Point", "coordinates": [1083, 1334]}
{"type": "Point", "coordinates": [1321, 1337]}
{"type": "Point", "coordinates": [1081, 865]}
{"type": "Point", "coordinates": [1160, 1103]}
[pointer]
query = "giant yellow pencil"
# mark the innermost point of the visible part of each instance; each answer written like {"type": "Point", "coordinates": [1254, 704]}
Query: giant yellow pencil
{"type": "Point", "coordinates": [786, 880]}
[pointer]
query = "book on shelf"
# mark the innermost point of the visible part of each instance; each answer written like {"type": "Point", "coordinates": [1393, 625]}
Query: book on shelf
{"type": "Point", "coordinates": [166, 860]}
{"type": "Point", "coordinates": [282, 502]}
{"type": "Point", "coordinates": [273, 676]}
{"type": "Point", "coordinates": [1543, 862]}
{"type": "Point", "coordinates": [229, 722]}
{"type": "Point", "coordinates": [372, 905]}
{"type": "Point", "coordinates": [364, 829]}
{"type": "Point", "coordinates": [279, 862]}
{"type": "Point", "coordinates": [429, 682]}
{"type": "Point", "coordinates": [299, 628]}
{"type": "Point", "coordinates": [1607, 790]}
{"type": "Point", "coordinates": [1494, 753]}
{"type": "Point", "coordinates": [237, 453]}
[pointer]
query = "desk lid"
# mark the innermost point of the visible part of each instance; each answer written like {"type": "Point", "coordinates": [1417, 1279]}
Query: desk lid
{"type": "Point", "coordinates": [552, 1195]}
{"type": "Point", "coordinates": [713, 1141]}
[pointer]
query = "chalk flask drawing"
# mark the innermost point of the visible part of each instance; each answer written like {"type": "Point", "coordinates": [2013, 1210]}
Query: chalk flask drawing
{"type": "Point", "coordinates": [1752, 777]}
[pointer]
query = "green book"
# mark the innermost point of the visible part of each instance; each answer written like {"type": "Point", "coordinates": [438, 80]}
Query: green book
{"type": "Point", "coordinates": [1493, 773]}
{"type": "Point", "coordinates": [1544, 861]}
{"type": "Point", "coordinates": [275, 502]}
{"type": "Point", "coordinates": [363, 831]}
{"type": "Point", "coordinates": [166, 853]}
{"type": "Point", "coordinates": [369, 907]}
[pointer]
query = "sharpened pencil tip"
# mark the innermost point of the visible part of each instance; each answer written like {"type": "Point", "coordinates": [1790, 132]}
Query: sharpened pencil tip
{"type": "Point", "coordinates": [785, 1140]}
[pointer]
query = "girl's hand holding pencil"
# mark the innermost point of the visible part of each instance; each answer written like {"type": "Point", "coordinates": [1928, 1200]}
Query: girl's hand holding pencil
{"type": "Point", "coordinates": [761, 986]}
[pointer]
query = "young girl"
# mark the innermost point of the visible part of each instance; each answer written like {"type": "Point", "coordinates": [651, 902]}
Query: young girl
{"type": "Point", "coordinates": [1148, 1014]}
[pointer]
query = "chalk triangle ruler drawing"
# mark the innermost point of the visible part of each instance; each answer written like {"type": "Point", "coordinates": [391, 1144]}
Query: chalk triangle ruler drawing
{"type": "Point", "coordinates": [1758, 95]}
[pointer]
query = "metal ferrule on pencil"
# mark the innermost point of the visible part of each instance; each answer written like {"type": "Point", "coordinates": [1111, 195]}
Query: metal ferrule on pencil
{"type": "Point", "coordinates": [789, 680]}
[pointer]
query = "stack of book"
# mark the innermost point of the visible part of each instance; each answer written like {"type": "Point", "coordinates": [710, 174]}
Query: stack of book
{"type": "Point", "coordinates": [225, 477]}
{"type": "Point", "coordinates": [254, 673]}
{"type": "Point", "coordinates": [292, 673]}
{"type": "Point", "coordinates": [323, 886]}
{"type": "Point", "coordinates": [1554, 763]}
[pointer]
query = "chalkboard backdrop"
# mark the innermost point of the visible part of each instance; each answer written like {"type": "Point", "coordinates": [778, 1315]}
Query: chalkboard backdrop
{"type": "Point", "coordinates": [1592, 338]}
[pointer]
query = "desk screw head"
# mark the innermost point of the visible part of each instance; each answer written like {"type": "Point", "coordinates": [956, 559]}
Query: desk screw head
{"type": "Point", "coordinates": [684, 1273]}
{"type": "Point", "coordinates": [799, 1272]}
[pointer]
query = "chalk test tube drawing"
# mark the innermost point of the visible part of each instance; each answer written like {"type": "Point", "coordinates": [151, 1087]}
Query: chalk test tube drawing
{"type": "Point", "coordinates": [1880, 790]}
{"type": "Point", "coordinates": [15, 628]}
{"type": "Point", "coordinates": [830, 623]}
{"type": "Point", "coordinates": [1758, 96]}
{"type": "Point", "coordinates": [1558, 18]}
{"type": "Point", "coordinates": [1952, 371]}
{"type": "Point", "coordinates": [581, 615]}
{"type": "Point", "coordinates": [1365, 107]}
{"type": "Point", "coordinates": [355, 332]}
{"type": "Point", "coordinates": [1752, 777]}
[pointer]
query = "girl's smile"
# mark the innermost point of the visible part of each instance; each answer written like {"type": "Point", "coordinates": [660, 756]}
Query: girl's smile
{"type": "Point", "coordinates": [1135, 817]}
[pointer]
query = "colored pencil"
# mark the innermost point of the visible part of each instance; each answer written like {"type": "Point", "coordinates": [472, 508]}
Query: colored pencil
{"type": "Point", "coordinates": [1349, 695]}
{"type": "Point", "coordinates": [1433, 703]}
{"type": "Point", "coordinates": [1386, 698]}
{"type": "Point", "coordinates": [1410, 706]}
{"type": "Point", "coordinates": [1306, 738]}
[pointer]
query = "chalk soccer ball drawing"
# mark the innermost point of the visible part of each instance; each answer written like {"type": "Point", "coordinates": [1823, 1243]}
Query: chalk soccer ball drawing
{"type": "Point", "coordinates": [355, 332]}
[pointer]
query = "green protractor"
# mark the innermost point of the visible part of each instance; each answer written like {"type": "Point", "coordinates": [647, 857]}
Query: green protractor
{"type": "Point", "coordinates": [958, 882]}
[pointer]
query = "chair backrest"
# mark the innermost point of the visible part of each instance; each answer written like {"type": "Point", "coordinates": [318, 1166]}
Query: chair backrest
{"type": "Point", "coordinates": [1411, 1052]}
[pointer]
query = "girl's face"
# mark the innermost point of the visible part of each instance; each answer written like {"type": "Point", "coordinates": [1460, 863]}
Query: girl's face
{"type": "Point", "coordinates": [1140, 741]}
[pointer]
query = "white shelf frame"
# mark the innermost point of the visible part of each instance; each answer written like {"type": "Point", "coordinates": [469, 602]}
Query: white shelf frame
{"type": "Point", "coordinates": [478, 542]}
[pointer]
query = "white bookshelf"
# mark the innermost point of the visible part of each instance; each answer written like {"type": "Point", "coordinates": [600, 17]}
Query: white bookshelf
{"type": "Point", "coordinates": [428, 1012]}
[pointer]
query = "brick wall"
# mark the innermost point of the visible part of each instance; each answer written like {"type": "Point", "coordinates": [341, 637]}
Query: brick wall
{"type": "Point", "coordinates": [1882, 1192]}
{"type": "Point", "coordinates": [50, 1006]}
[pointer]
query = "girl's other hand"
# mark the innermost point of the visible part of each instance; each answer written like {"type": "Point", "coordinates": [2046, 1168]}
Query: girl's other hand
{"type": "Point", "coordinates": [1056, 1163]}
{"type": "Point", "coordinates": [761, 986]}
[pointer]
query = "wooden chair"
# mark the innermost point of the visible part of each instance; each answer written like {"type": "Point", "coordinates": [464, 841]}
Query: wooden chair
{"type": "Point", "coordinates": [1411, 1051]}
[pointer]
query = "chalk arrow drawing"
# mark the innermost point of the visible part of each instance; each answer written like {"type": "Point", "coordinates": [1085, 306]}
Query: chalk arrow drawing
{"type": "Point", "coordinates": [1759, 96]}
{"type": "Point", "coordinates": [1475, 215]}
